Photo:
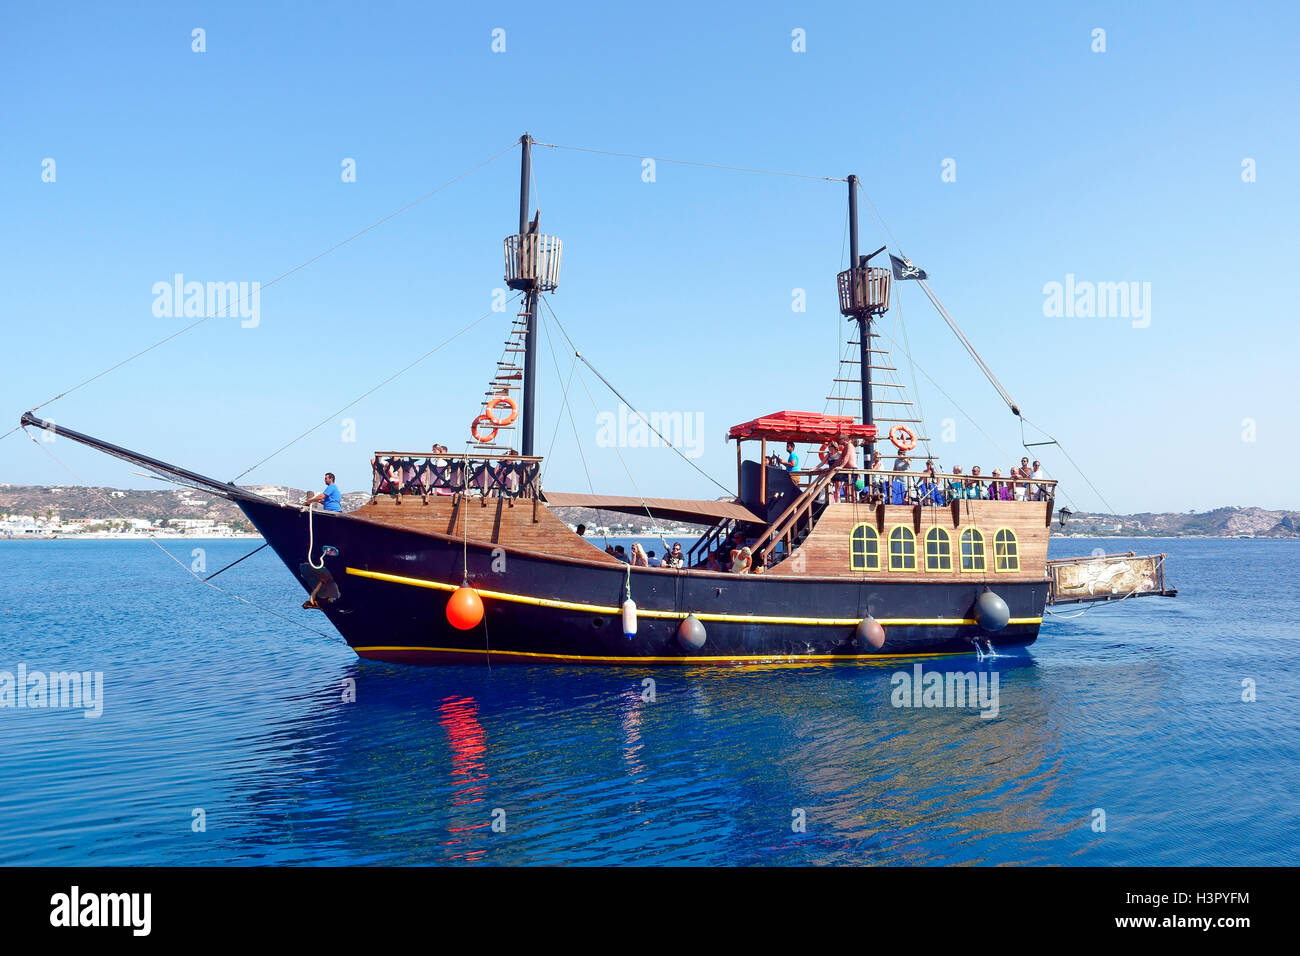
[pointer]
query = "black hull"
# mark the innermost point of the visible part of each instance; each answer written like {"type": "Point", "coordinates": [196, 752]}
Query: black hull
{"type": "Point", "coordinates": [394, 584]}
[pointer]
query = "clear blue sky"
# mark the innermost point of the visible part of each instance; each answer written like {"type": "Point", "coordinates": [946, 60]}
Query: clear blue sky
{"type": "Point", "coordinates": [225, 166]}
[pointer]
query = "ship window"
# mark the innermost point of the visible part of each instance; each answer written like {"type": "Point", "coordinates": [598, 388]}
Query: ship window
{"type": "Point", "coordinates": [938, 550]}
{"type": "Point", "coordinates": [902, 549]}
{"type": "Point", "coordinates": [1006, 552]}
{"type": "Point", "coordinates": [972, 550]}
{"type": "Point", "coordinates": [864, 548]}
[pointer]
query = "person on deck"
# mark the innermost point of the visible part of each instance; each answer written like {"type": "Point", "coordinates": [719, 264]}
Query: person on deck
{"type": "Point", "coordinates": [996, 486]}
{"type": "Point", "coordinates": [928, 489]}
{"type": "Point", "coordinates": [975, 484]}
{"type": "Point", "coordinates": [674, 558]}
{"type": "Point", "coordinates": [331, 498]}
{"type": "Point", "coordinates": [740, 561]}
{"type": "Point", "coordinates": [1022, 487]}
{"type": "Point", "coordinates": [639, 558]}
{"type": "Point", "coordinates": [1040, 492]}
{"type": "Point", "coordinates": [791, 462]}
{"type": "Point", "coordinates": [845, 456]}
{"type": "Point", "coordinates": [956, 484]}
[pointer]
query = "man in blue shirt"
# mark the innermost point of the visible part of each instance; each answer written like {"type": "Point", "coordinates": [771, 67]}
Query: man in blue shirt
{"type": "Point", "coordinates": [331, 499]}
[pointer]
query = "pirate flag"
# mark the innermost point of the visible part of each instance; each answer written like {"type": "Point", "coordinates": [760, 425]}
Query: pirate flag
{"type": "Point", "coordinates": [903, 269]}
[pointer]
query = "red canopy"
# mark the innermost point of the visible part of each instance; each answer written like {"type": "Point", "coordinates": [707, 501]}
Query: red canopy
{"type": "Point", "coordinates": [803, 427]}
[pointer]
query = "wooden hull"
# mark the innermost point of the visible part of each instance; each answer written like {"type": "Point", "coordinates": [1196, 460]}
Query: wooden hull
{"type": "Point", "coordinates": [394, 582]}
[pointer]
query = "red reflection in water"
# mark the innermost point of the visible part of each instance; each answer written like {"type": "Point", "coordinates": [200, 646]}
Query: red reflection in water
{"type": "Point", "coordinates": [459, 717]}
{"type": "Point", "coordinates": [630, 719]}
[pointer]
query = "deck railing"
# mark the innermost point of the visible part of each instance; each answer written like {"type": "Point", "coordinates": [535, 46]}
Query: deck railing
{"type": "Point", "coordinates": [699, 552]}
{"type": "Point", "coordinates": [912, 487]}
{"type": "Point", "coordinates": [785, 528]}
{"type": "Point", "coordinates": [419, 473]}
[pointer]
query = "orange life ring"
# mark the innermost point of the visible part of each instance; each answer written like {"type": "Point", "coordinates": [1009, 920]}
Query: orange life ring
{"type": "Point", "coordinates": [904, 438]}
{"type": "Point", "coordinates": [502, 400]}
{"type": "Point", "coordinates": [483, 420]}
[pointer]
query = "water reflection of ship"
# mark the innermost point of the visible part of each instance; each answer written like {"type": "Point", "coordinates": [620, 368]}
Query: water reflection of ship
{"type": "Point", "coordinates": [595, 772]}
{"type": "Point", "coordinates": [468, 742]}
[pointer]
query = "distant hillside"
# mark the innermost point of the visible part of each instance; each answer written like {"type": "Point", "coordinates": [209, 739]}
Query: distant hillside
{"type": "Point", "coordinates": [67, 502]}
{"type": "Point", "coordinates": [1219, 523]}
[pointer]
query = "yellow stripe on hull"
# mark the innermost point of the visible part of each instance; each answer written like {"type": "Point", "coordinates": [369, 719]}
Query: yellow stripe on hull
{"type": "Point", "coordinates": [678, 615]}
{"type": "Point", "coordinates": [700, 659]}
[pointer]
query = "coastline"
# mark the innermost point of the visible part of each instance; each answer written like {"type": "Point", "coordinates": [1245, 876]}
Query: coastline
{"type": "Point", "coordinates": [100, 536]}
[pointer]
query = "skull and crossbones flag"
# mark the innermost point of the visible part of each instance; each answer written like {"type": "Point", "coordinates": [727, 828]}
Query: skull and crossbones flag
{"type": "Point", "coordinates": [903, 269]}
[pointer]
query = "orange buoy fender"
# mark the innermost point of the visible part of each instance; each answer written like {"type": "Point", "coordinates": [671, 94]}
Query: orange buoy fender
{"type": "Point", "coordinates": [464, 608]}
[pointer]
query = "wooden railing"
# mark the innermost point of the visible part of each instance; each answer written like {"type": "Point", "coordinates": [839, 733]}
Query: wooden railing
{"type": "Point", "coordinates": [421, 473]}
{"type": "Point", "coordinates": [699, 551]}
{"type": "Point", "coordinates": [787, 524]}
{"type": "Point", "coordinates": [917, 487]}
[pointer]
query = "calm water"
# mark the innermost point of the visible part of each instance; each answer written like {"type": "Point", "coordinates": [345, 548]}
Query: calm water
{"type": "Point", "coordinates": [1133, 709]}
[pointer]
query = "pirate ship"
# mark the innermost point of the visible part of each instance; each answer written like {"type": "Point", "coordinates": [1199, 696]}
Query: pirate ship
{"type": "Point", "coordinates": [460, 558]}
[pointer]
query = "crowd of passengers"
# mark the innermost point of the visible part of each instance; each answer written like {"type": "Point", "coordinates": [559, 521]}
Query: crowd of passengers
{"type": "Point", "coordinates": [732, 554]}
{"type": "Point", "coordinates": [930, 486]}
{"type": "Point", "coordinates": [640, 557]}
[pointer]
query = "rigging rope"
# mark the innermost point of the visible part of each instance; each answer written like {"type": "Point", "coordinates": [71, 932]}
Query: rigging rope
{"type": "Point", "coordinates": [916, 390]}
{"type": "Point", "coordinates": [188, 570]}
{"type": "Point", "coordinates": [283, 275]}
{"type": "Point", "coordinates": [961, 337]}
{"type": "Point", "coordinates": [1024, 421]}
{"type": "Point", "coordinates": [311, 542]}
{"type": "Point", "coordinates": [367, 393]}
{"type": "Point", "coordinates": [626, 469]}
{"type": "Point", "coordinates": [568, 409]}
{"type": "Point", "coordinates": [629, 404]}
{"type": "Point", "coordinates": [689, 162]}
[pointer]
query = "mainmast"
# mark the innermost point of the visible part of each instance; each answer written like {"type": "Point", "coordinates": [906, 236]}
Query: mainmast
{"type": "Point", "coordinates": [864, 293]}
{"type": "Point", "coordinates": [533, 267]}
{"type": "Point", "coordinates": [529, 397]}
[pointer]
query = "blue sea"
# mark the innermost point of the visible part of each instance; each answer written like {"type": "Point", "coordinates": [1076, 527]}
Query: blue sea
{"type": "Point", "coordinates": [1121, 737]}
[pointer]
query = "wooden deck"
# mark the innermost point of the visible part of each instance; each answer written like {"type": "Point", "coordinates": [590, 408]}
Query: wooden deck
{"type": "Point", "coordinates": [524, 524]}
